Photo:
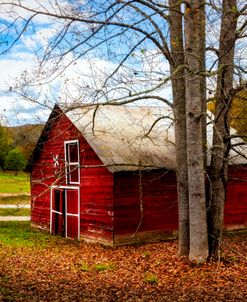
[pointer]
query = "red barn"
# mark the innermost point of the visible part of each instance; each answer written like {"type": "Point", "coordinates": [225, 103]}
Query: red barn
{"type": "Point", "coordinates": [106, 174]}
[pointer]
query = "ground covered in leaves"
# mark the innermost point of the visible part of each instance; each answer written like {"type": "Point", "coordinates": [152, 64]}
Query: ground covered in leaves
{"type": "Point", "coordinates": [39, 267]}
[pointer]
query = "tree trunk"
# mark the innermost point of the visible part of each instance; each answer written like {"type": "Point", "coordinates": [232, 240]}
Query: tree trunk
{"type": "Point", "coordinates": [221, 144]}
{"type": "Point", "coordinates": [178, 89]}
{"type": "Point", "coordinates": [202, 52]}
{"type": "Point", "coordinates": [195, 157]}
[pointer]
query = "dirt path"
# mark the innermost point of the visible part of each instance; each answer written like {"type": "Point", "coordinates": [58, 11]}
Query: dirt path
{"type": "Point", "coordinates": [14, 194]}
{"type": "Point", "coordinates": [15, 206]}
{"type": "Point", "coordinates": [15, 218]}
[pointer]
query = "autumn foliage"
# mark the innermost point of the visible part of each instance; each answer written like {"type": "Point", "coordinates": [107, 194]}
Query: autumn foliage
{"type": "Point", "coordinates": [48, 268]}
{"type": "Point", "coordinates": [238, 112]}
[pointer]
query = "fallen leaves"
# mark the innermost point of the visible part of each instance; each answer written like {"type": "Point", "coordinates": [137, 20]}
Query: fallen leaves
{"type": "Point", "coordinates": [64, 270]}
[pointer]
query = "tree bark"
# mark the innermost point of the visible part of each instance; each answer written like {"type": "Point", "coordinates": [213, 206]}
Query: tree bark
{"type": "Point", "coordinates": [202, 52]}
{"type": "Point", "coordinates": [178, 89]}
{"type": "Point", "coordinates": [195, 157]}
{"type": "Point", "coordinates": [221, 143]}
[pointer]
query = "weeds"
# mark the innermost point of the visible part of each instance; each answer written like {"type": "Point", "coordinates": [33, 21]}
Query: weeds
{"type": "Point", "coordinates": [104, 266]}
{"type": "Point", "coordinates": [84, 267]}
{"type": "Point", "coordinates": [151, 279]}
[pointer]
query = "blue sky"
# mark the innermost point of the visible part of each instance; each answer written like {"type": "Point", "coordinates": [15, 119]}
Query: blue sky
{"type": "Point", "coordinates": [83, 80]}
{"type": "Point", "coordinates": [88, 71]}
{"type": "Point", "coordinates": [21, 58]}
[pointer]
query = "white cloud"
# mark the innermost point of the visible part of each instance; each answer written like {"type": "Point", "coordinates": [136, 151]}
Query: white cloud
{"type": "Point", "coordinates": [29, 42]}
{"type": "Point", "coordinates": [12, 66]}
{"type": "Point", "coordinates": [14, 111]}
{"type": "Point", "coordinates": [11, 9]}
{"type": "Point", "coordinates": [84, 81]}
{"type": "Point", "coordinates": [39, 38]}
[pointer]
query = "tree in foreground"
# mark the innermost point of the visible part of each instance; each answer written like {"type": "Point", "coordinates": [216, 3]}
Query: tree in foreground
{"type": "Point", "coordinates": [221, 135]}
{"type": "Point", "coordinates": [147, 45]}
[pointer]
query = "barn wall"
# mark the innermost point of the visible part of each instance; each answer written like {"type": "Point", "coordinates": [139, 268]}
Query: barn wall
{"type": "Point", "coordinates": [154, 191]}
{"type": "Point", "coordinates": [236, 200]}
{"type": "Point", "coordinates": [96, 206]}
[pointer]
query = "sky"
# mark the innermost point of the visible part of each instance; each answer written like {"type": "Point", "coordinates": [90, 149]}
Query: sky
{"type": "Point", "coordinates": [14, 110]}
{"type": "Point", "coordinates": [83, 79]}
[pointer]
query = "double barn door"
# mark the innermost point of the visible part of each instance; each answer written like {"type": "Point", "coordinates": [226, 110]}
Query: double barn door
{"type": "Point", "coordinates": [65, 212]}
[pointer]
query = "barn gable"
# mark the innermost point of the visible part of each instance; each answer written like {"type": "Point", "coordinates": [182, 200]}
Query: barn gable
{"type": "Point", "coordinates": [52, 185]}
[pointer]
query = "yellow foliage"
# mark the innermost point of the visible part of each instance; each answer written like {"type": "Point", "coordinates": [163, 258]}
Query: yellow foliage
{"type": "Point", "coordinates": [211, 106]}
{"type": "Point", "coordinates": [238, 112]}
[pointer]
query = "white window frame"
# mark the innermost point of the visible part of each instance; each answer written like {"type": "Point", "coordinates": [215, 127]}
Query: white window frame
{"type": "Point", "coordinates": [66, 214]}
{"type": "Point", "coordinates": [69, 164]}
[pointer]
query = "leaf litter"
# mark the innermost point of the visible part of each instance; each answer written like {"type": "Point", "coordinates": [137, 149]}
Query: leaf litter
{"type": "Point", "coordinates": [64, 270]}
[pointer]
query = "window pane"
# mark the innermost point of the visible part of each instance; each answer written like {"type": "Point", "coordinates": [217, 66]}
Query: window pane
{"type": "Point", "coordinates": [73, 153]}
{"type": "Point", "coordinates": [73, 173]}
{"type": "Point", "coordinates": [56, 200]}
{"type": "Point", "coordinates": [72, 162]}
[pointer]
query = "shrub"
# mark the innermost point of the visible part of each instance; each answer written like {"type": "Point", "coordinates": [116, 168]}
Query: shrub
{"type": "Point", "coordinates": [15, 160]}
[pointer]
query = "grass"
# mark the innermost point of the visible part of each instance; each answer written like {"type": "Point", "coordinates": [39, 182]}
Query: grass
{"type": "Point", "coordinates": [20, 233]}
{"type": "Point", "coordinates": [151, 279]}
{"type": "Point", "coordinates": [19, 199]}
{"type": "Point", "coordinates": [15, 212]}
{"type": "Point", "coordinates": [12, 183]}
{"type": "Point", "coordinates": [83, 267]}
{"type": "Point", "coordinates": [97, 267]}
{"type": "Point", "coordinates": [104, 266]}
{"type": "Point", "coordinates": [146, 254]}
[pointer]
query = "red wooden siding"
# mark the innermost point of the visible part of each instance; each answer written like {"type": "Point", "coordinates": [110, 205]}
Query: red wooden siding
{"type": "Point", "coordinates": [156, 190]}
{"type": "Point", "coordinates": [236, 201]}
{"type": "Point", "coordinates": [72, 213]}
{"type": "Point", "coordinates": [96, 203]}
{"type": "Point", "coordinates": [72, 201]}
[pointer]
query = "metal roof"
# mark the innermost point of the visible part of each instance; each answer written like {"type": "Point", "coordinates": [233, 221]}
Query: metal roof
{"type": "Point", "coordinates": [130, 138]}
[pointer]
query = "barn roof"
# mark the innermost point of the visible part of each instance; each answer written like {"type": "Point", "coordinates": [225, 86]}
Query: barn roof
{"type": "Point", "coordinates": [128, 137]}
{"type": "Point", "coordinates": [131, 137]}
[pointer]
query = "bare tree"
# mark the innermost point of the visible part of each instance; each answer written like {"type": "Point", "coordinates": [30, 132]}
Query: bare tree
{"type": "Point", "coordinates": [179, 103]}
{"type": "Point", "coordinates": [194, 36]}
{"type": "Point", "coordinates": [221, 136]}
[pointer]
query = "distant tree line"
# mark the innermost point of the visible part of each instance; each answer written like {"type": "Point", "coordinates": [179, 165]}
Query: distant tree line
{"type": "Point", "coordinates": [16, 145]}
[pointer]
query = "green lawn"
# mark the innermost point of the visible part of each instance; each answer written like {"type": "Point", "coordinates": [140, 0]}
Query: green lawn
{"type": "Point", "coordinates": [19, 199]}
{"type": "Point", "coordinates": [15, 212]}
{"type": "Point", "coordinates": [11, 183]}
{"type": "Point", "coordinates": [20, 233]}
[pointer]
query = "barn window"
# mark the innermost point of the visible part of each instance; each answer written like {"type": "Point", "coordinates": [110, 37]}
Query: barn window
{"type": "Point", "coordinates": [72, 162]}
